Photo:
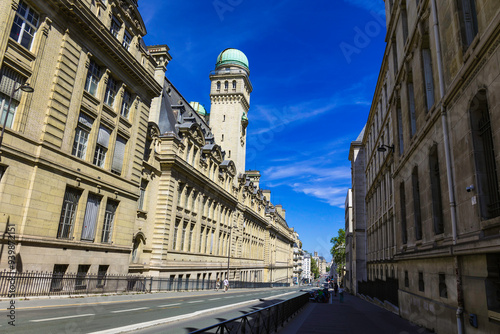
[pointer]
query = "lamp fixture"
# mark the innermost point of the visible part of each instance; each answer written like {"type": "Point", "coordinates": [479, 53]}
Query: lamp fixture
{"type": "Point", "coordinates": [383, 148]}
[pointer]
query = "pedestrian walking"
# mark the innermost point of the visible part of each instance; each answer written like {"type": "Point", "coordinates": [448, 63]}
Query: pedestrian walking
{"type": "Point", "coordinates": [217, 284]}
{"type": "Point", "coordinates": [226, 284]}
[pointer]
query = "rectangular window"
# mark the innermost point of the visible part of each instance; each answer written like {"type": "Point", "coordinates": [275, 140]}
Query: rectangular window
{"type": "Point", "coordinates": [101, 147]}
{"type": "Point", "coordinates": [127, 40]}
{"type": "Point", "coordinates": [115, 27]}
{"type": "Point", "coordinates": [421, 285]}
{"type": "Point", "coordinates": [68, 213]}
{"type": "Point", "coordinates": [437, 206]}
{"type": "Point", "coordinates": [402, 201]}
{"type": "Point", "coordinates": [417, 216]}
{"type": "Point", "coordinates": [183, 236]}
{"type": "Point", "coordinates": [443, 291]}
{"type": "Point", "coordinates": [174, 237]}
{"type": "Point", "coordinates": [468, 21]}
{"type": "Point", "coordinates": [142, 195]}
{"type": "Point", "coordinates": [82, 136]}
{"type": "Point", "coordinates": [109, 217]}
{"type": "Point", "coordinates": [10, 80]}
{"type": "Point", "coordinates": [57, 277]}
{"type": "Point", "coordinates": [428, 78]}
{"type": "Point", "coordinates": [400, 130]}
{"type": "Point", "coordinates": [118, 155]}
{"type": "Point", "coordinates": [101, 275]}
{"type": "Point", "coordinates": [190, 240]}
{"type": "Point", "coordinates": [126, 103]}
{"type": "Point", "coordinates": [80, 282]}
{"type": "Point", "coordinates": [411, 109]}
{"type": "Point", "coordinates": [93, 77]}
{"type": "Point", "coordinates": [90, 220]}
{"type": "Point", "coordinates": [25, 25]}
{"type": "Point", "coordinates": [111, 89]}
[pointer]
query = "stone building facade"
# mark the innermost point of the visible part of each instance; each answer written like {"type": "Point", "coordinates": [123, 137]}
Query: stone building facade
{"type": "Point", "coordinates": [71, 155]}
{"type": "Point", "coordinates": [105, 168]}
{"type": "Point", "coordinates": [205, 217]}
{"type": "Point", "coordinates": [435, 110]}
{"type": "Point", "coordinates": [356, 242]}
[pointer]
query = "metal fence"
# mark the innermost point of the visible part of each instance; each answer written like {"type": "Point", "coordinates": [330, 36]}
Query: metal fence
{"type": "Point", "coordinates": [14, 284]}
{"type": "Point", "coordinates": [380, 289]}
{"type": "Point", "coordinates": [265, 320]}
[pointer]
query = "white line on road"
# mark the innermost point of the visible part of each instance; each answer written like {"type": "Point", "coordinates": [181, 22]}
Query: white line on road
{"type": "Point", "coordinates": [176, 318]}
{"type": "Point", "coordinates": [67, 317]}
{"type": "Point", "coordinates": [215, 298]}
{"type": "Point", "coordinates": [196, 301]}
{"type": "Point", "coordinates": [132, 309]}
{"type": "Point", "coordinates": [170, 305]}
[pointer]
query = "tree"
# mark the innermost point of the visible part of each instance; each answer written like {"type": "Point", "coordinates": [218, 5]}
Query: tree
{"type": "Point", "coordinates": [338, 250]}
{"type": "Point", "coordinates": [314, 268]}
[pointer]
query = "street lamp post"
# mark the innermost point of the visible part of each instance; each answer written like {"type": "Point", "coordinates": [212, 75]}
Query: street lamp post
{"type": "Point", "coordinates": [25, 88]}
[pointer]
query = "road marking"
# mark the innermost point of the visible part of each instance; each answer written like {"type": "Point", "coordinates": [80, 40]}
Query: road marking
{"type": "Point", "coordinates": [132, 309]}
{"type": "Point", "coordinates": [215, 298]}
{"type": "Point", "coordinates": [67, 317]}
{"type": "Point", "coordinates": [170, 305]}
{"type": "Point", "coordinates": [196, 301]}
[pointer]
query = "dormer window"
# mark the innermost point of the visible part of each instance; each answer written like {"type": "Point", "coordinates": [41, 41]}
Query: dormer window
{"type": "Point", "coordinates": [115, 27]}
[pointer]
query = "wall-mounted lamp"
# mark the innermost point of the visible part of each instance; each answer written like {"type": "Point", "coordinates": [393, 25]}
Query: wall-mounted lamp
{"type": "Point", "coordinates": [383, 148]}
{"type": "Point", "coordinates": [25, 88]}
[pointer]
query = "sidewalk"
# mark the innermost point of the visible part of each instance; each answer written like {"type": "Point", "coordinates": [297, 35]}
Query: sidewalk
{"type": "Point", "coordinates": [354, 315]}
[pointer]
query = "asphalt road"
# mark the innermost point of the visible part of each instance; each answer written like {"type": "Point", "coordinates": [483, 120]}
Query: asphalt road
{"type": "Point", "coordinates": [181, 313]}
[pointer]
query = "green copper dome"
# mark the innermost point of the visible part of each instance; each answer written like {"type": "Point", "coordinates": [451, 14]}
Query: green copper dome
{"type": "Point", "coordinates": [198, 108]}
{"type": "Point", "coordinates": [232, 57]}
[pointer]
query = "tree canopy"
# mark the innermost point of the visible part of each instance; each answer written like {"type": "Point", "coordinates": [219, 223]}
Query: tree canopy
{"type": "Point", "coordinates": [338, 250]}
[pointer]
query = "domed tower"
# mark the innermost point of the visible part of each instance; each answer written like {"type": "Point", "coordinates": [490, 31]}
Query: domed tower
{"type": "Point", "coordinates": [230, 100]}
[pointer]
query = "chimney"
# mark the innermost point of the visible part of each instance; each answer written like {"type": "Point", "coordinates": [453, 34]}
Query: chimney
{"type": "Point", "coordinates": [267, 193]}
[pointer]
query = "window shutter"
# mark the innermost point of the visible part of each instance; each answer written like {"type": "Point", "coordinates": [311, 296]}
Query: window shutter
{"type": "Point", "coordinates": [8, 79]}
{"type": "Point", "coordinates": [103, 137]}
{"type": "Point", "coordinates": [89, 223]}
{"type": "Point", "coordinates": [429, 81]}
{"type": "Point", "coordinates": [119, 154]}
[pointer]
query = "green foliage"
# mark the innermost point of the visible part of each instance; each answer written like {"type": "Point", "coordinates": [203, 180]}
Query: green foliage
{"type": "Point", "coordinates": [314, 268]}
{"type": "Point", "coordinates": [338, 250]}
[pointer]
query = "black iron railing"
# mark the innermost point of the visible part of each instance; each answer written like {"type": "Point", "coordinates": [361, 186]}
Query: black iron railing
{"type": "Point", "coordinates": [380, 289]}
{"type": "Point", "coordinates": [48, 284]}
{"type": "Point", "coordinates": [265, 320]}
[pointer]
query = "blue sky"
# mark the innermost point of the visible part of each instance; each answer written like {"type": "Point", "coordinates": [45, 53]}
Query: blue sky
{"type": "Point", "coordinates": [314, 68]}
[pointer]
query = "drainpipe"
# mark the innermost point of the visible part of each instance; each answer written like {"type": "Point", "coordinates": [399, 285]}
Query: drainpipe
{"type": "Point", "coordinates": [451, 188]}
